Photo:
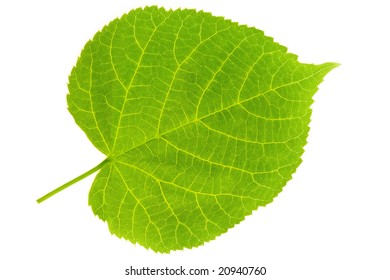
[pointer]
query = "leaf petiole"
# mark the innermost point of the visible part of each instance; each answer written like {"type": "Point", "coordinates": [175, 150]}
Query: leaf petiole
{"type": "Point", "coordinates": [75, 180]}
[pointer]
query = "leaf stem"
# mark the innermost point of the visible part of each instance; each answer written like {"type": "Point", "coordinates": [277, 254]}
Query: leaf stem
{"type": "Point", "coordinates": [75, 180]}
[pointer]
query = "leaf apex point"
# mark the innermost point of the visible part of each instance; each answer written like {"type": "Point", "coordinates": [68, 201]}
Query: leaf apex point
{"type": "Point", "coordinates": [335, 65]}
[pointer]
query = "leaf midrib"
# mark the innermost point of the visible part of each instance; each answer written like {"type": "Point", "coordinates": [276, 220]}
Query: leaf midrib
{"type": "Point", "coordinates": [195, 120]}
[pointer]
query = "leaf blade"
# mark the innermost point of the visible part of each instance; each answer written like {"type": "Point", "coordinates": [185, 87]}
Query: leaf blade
{"type": "Point", "coordinates": [203, 120]}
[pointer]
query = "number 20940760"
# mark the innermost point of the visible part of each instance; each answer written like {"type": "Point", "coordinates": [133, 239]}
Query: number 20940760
{"type": "Point", "coordinates": [242, 270]}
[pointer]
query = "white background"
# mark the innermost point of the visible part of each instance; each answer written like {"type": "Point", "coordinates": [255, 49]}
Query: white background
{"type": "Point", "coordinates": [330, 222]}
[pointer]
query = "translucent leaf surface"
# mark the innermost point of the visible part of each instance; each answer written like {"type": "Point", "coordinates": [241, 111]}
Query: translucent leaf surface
{"type": "Point", "coordinates": [202, 121]}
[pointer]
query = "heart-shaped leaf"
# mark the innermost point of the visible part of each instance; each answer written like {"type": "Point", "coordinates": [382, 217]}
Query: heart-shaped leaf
{"type": "Point", "coordinates": [202, 121]}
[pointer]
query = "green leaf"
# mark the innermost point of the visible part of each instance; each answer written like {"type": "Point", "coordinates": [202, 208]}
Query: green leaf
{"type": "Point", "coordinates": [202, 121]}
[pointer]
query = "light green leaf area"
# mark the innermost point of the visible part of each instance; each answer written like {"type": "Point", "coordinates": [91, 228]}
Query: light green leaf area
{"type": "Point", "coordinates": [202, 121]}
